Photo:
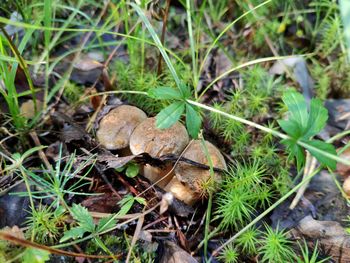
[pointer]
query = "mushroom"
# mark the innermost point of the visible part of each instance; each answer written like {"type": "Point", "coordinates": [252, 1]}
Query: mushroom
{"type": "Point", "coordinates": [188, 183]}
{"type": "Point", "coordinates": [27, 108]}
{"type": "Point", "coordinates": [346, 186]}
{"type": "Point", "coordinates": [158, 142]}
{"type": "Point", "coordinates": [116, 127]}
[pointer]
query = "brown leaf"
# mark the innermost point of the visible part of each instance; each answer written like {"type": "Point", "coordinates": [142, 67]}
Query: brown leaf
{"type": "Point", "coordinates": [332, 237]}
{"type": "Point", "coordinates": [85, 63]}
{"type": "Point", "coordinates": [14, 231]}
{"type": "Point", "coordinates": [105, 203]}
{"type": "Point", "coordinates": [174, 254]}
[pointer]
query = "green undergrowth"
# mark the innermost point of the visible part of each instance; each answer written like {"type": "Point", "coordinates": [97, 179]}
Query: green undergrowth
{"type": "Point", "coordinates": [261, 172]}
{"type": "Point", "coordinates": [133, 76]}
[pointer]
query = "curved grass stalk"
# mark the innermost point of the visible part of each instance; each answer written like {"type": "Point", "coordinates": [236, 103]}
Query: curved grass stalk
{"type": "Point", "coordinates": [85, 30]}
{"type": "Point", "coordinates": [158, 43]}
{"type": "Point", "coordinates": [192, 45]}
{"type": "Point", "coordinates": [225, 30]}
{"type": "Point", "coordinates": [246, 64]}
{"type": "Point", "coordinates": [269, 130]}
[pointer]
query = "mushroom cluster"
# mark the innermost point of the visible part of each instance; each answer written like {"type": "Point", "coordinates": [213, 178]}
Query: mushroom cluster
{"type": "Point", "coordinates": [128, 126]}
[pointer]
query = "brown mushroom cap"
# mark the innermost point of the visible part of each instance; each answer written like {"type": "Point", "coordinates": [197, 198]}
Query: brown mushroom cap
{"type": "Point", "coordinates": [191, 177]}
{"type": "Point", "coordinates": [158, 142]}
{"type": "Point", "coordinates": [116, 127]}
{"type": "Point", "coordinates": [346, 186]}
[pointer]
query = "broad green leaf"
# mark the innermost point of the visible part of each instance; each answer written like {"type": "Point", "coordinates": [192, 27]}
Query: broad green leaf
{"type": "Point", "coordinates": [34, 255]}
{"type": "Point", "coordinates": [295, 151]}
{"type": "Point", "coordinates": [317, 146]}
{"type": "Point", "coordinates": [106, 223]}
{"type": "Point", "coordinates": [297, 107]}
{"type": "Point", "coordinates": [169, 115]}
{"type": "Point", "coordinates": [193, 121]}
{"type": "Point", "coordinates": [185, 91]}
{"type": "Point", "coordinates": [82, 215]}
{"type": "Point", "coordinates": [132, 170]}
{"type": "Point", "coordinates": [73, 233]}
{"type": "Point", "coordinates": [165, 93]}
{"type": "Point", "coordinates": [317, 118]}
{"type": "Point", "coordinates": [290, 127]}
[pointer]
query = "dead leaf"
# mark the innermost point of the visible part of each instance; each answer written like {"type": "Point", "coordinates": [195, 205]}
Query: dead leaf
{"type": "Point", "coordinates": [339, 112]}
{"type": "Point", "coordinates": [105, 203]}
{"type": "Point", "coordinates": [174, 254]}
{"type": "Point", "coordinates": [14, 231]}
{"type": "Point", "coordinates": [86, 63]}
{"type": "Point", "coordinates": [300, 73]}
{"type": "Point", "coordinates": [332, 237]}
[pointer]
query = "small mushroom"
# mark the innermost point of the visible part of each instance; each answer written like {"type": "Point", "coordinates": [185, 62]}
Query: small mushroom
{"type": "Point", "coordinates": [158, 142]}
{"type": "Point", "coordinates": [188, 183]}
{"type": "Point", "coordinates": [27, 108]}
{"type": "Point", "coordinates": [117, 126]}
{"type": "Point", "coordinates": [346, 186]}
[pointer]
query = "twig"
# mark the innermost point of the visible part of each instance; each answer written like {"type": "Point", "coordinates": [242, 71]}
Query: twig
{"type": "Point", "coordinates": [309, 168]}
{"type": "Point", "coordinates": [27, 243]}
{"type": "Point", "coordinates": [42, 155]}
{"type": "Point", "coordinates": [135, 237]}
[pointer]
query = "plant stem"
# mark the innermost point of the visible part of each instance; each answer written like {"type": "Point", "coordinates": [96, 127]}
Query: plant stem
{"type": "Point", "coordinates": [165, 21]}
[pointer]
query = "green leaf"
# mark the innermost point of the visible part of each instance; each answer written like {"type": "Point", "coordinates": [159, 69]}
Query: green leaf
{"type": "Point", "coordinates": [106, 223]}
{"type": "Point", "coordinates": [317, 118]}
{"type": "Point", "coordinates": [73, 233]}
{"type": "Point", "coordinates": [165, 93]}
{"type": "Point", "coordinates": [82, 215]}
{"type": "Point", "coordinates": [140, 200]}
{"type": "Point", "coordinates": [132, 170]}
{"type": "Point", "coordinates": [291, 127]}
{"type": "Point", "coordinates": [34, 255]}
{"type": "Point", "coordinates": [193, 121]}
{"type": "Point", "coordinates": [296, 151]}
{"type": "Point", "coordinates": [318, 146]}
{"type": "Point", "coordinates": [185, 91]}
{"type": "Point", "coordinates": [297, 107]}
{"type": "Point", "coordinates": [169, 115]}
{"type": "Point", "coordinates": [126, 204]}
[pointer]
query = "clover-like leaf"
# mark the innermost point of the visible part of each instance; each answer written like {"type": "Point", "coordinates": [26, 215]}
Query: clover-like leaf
{"type": "Point", "coordinates": [317, 147]}
{"type": "Point", "coordinates": [297, 107]}
{"type": "Point", "coordinates": [82, 215]}
{"type": "Point", "coordinates": [73, 233]}
{"type": "Point", "coordinates": [165, 93]}
{"type": "Point", "coordinates": [296, 151]}
{"type": "Point", "coordinates": [291, 127]}
{"type": "Point", "coordinates": [185, 91]}
{"type": "Point", "coordinates": [169, 115]}
{"type": "Point", "coordinates": [317, 118]}
{"type": "Point", "coordinates": [193, 121]}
